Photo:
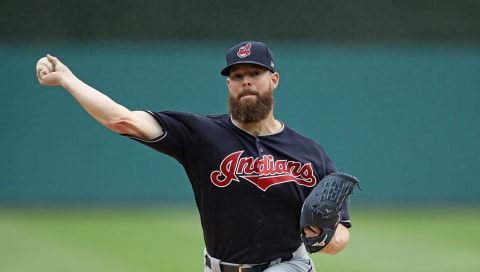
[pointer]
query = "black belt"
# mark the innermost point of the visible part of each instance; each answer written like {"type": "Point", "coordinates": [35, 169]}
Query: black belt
{"type": "Point", "coordinates": [242, 268]}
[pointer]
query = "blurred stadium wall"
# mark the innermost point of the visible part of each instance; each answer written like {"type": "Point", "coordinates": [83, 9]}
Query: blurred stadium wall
{"type": "Point", "coordinates": [391, 89]}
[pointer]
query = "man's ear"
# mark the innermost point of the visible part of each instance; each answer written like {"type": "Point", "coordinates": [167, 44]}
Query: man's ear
{"type": "Point", "coordinates": [275, 79]}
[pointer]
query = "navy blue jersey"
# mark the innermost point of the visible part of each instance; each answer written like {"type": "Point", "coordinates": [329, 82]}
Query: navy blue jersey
{"type": "Point", "coordinates": [249, 190]}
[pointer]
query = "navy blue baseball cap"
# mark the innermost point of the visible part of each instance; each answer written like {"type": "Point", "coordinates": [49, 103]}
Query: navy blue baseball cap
{"type": "Point", "coordinates": [249, 52]}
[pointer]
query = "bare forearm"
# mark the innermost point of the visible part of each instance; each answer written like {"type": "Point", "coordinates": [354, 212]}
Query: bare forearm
{"type": "Point", "coordinates": [103, 109]}
{"type": "Point", "coordinates": [99, 106]}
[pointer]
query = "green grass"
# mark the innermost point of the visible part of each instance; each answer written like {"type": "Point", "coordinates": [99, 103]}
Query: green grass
{"type": "Point", "coordinates": [164, 239]}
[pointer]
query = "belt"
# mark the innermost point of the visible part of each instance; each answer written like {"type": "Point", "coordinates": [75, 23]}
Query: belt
{"type": "Point", "coordinates": [242, 267]}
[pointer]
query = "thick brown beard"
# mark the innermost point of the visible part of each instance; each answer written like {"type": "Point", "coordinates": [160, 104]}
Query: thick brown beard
{"type": "Point", "coordinates": [250, 112]}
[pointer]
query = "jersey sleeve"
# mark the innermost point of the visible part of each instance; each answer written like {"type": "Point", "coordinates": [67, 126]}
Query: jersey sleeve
{"type": "Point", "coordinates": [180, 133]}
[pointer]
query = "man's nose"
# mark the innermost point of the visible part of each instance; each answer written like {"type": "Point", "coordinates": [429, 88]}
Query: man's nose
{"type": "Point", "coordinates": [247, 81]}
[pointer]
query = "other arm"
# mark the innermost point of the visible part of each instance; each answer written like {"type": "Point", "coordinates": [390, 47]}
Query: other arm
{"type": "Point", "coordinates": [107, 112]}
{"type": "Point", "coordinates": [338, 243]}
{"type": "Point", "coordinates": [322, 212]}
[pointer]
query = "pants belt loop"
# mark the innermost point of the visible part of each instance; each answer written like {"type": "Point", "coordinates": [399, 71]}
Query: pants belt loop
{"type": "Point", "coordinates": [212, 263]}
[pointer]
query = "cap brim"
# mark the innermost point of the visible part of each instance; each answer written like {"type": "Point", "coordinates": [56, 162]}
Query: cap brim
{"type": "Point", "coordinates": [226, 71]}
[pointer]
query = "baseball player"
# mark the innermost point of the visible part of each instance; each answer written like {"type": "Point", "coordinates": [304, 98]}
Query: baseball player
{"type": "Point", "coordinates": [250, 173]}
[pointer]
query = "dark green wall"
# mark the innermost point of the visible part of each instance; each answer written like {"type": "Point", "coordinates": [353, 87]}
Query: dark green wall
{"type": "Point", "coordinates": [320, 20]}
{"type": "Point", "coordinates": [403, 118]}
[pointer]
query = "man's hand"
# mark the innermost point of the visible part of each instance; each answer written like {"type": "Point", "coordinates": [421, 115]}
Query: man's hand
{"type": "Point", "coordinates": [338, 243]}
{"type": "Point", "coordinates": [311, 231]}
{"type": "Point", "coordinates": [323, 209]}
{"type": "Point", "coordinates": [55, 78]}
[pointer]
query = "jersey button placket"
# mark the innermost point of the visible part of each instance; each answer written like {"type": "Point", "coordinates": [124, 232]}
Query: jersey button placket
{"type": "Point", "coordinates": [260, 216]}
{"type": "Point", "coordinates": [259, 147]}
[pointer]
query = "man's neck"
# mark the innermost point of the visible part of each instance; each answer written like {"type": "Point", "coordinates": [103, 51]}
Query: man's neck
{"type": "Point", "coordinates": [265, 127]}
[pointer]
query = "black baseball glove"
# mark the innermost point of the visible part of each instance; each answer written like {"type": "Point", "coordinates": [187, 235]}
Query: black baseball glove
{"type": "Point", "coordinates": [323, 208]}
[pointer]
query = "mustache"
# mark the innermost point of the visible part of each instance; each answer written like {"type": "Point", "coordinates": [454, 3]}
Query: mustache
{"type": "Point", "coordinates": [247, 92]}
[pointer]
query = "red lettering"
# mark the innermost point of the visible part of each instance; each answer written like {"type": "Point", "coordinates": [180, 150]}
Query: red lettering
{"type": "Point", "coordinates": [308, 178]}
{"type": "Point", "coordinates": [264, 172]}
{"type": "Point", "coordinates": [246, 166]}
{"type": "Point", "coordinates": [227, 170]}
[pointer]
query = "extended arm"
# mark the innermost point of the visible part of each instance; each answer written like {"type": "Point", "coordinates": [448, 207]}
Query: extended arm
{"type": "Point", "coordinates": [103, 109]}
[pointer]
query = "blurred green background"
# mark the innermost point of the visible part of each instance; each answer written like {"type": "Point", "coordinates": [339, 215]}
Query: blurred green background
{"type": "Point", "coordinates": [389, 88]}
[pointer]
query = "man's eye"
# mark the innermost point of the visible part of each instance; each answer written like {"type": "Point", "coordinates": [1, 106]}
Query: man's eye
{"type": "Point", "coordinates": [254, 73]}
{"type": "Point", "coordinates": [237, 76]}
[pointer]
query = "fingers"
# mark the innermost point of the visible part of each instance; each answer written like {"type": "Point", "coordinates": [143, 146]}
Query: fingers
{"type": "Point", "coordinates": [53, 75]}
{"type": "Point", "coordinates": [311, 231]}
{"type": "Point", "coordinates": [45, 73]}
{"type": "Point", "coordinates": [58, 66]}
{"type": "Point", "coordinates": [42, 72]}
{"type": "Point", "coordinates": [42, 75]}
{"type": "Point", "coordinates": [53, 60]}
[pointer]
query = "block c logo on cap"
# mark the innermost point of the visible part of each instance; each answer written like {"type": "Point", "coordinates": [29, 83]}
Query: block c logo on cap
{"type": "Point", "coordinates": [244, 51]}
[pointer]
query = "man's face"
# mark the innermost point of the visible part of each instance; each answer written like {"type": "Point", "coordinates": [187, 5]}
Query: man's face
{"type": "Point", "coordinates": [251, 92]}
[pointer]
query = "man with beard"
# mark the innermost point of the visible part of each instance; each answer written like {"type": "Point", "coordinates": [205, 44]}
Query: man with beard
{"type": "Point", "coordinates": [250, 173]}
